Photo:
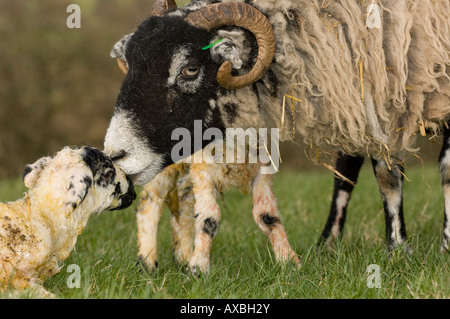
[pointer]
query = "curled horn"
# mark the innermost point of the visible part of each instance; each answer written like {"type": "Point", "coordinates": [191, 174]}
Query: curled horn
{"type": "Point", "coordinates": [159, 9]}
{"type": "Point", "coordinates": [245, 16]}
{"type": "Point", "coordinates": [122, 65]}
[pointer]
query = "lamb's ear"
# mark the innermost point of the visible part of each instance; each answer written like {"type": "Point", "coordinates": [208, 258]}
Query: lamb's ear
{"type": "Point", "coordinates": [118, 52]}
{"type": "Point", "coordinates": [77, 189]}
{"type": "Point", "coordinates": [232, 47]}
{"type": "Point", "coordinates": [32, 171]}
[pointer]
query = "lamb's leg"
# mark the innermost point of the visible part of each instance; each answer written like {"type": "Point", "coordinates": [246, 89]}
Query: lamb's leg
{"type": "Point", "coordinates": [148, 215]}
{"type": "Point", "coordinates": [31, 290]}
{"type": "Point", "coordinates": [268, 218]}
{"type": "Point", "coordinates": [152, 199]}
{"type": "Point", "coordinates": [348, 166]}
{"type": "Point", "coordinates": [181, 203]}
{"type": "Point", "coordinates": [40, 292]}
{"type": "Point", "coordinates": [444, 166]}
{"type": "Point", "coordinates": [390, 183]}
{"type": "Point", "coordinates": [207, 218]}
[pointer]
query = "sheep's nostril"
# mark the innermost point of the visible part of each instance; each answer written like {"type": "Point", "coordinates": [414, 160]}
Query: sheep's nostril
{"type": "Point", "coordinates": [119, 155]}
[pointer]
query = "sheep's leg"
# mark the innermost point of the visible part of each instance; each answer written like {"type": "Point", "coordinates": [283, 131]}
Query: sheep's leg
{"type": "Point", "coordinates": [148, 215]}
{"type": "Point", "coordinates": [152, 199]}
{"type": "Point", "coordinates": [33, 289]}
{"type": "Point", "coordinates": [40, 292]}
{"type": "Point", "coordinates": [348, 166]}
{"type": "Point", "coordinates": [390, 183]}
{"type": "Point", "coordinates": [444, 166]}
{"type": "Point", "coordinates": [268, 219]}
{"type": "Point", "coordinates": [181, 203]}
{"type": "Point", "coordinates": [207, 218]}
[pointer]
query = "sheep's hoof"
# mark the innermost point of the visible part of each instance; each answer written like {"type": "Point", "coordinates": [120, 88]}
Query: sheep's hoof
{"type": "Point", "coordinates": [146, 265]}
{"type": "Point", "coordinates": [198, 272]}
{"type": "Point", "coordinates": [199, 265]}
{"type": "Point", "coordinates": [297, 264]}
{"type": "Point", "coordinates": [43, 293]}
{"type": "Point", "coordinates": [320, 244]}
{"type": "Point", "coordinates": [406, 248]}
{"type": "Point", "coordinates": [292, 261]}
{"type": "Point", "coordinates": [327, 243]}
{"type": "Point", "coordinates": [184, 267]}
{"type": "Point", "coordinates": [33, 292]}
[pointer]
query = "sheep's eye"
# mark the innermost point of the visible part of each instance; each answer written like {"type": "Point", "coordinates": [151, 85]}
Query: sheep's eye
{"type": "Point", "coordinates": [107, 176]}
{"type": "Point", "coordinates": [190, 71]}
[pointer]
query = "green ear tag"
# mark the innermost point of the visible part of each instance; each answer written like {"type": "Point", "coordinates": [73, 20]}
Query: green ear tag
{"type": "Point", "coordinates": [209, 46]}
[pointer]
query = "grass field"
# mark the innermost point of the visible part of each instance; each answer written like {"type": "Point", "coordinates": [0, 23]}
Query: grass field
{"type": "Point", "coordinates": [242, 264]}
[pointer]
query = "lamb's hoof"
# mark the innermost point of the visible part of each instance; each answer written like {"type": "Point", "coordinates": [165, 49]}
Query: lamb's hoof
{"type": "Point", "coordinates": [33, 292]}
{"type": "Point", "coordinates": [293, 262]}
{"type": "Point", "coordinates": [44, 294]}
{"type": "Point", "coordinates": [298, 264]}
{"type": "Point", "coordinates": [199, 266]}
{"type": "Point", "coordinates": [145, 265]}
{"type": "Point", "coordinates": [184, 267]}
{"type": "Point", "coordinates": [199, 272]}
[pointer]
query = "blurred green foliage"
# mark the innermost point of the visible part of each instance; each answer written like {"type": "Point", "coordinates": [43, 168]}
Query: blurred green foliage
{"type": "Point", "coordinates": [58, 85]}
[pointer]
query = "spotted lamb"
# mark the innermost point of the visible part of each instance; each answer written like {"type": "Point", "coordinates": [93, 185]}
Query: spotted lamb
{"type": "Point", "coordinates": [39, 231]}
{"type": "Point", "coordinates": [190, 191]}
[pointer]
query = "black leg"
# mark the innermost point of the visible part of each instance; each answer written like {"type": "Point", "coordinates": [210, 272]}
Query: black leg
{"type": "Point", "coordinates": [348, 166]}
{"type": "Point", "coordinates": [390, 182]}
{"type": "Point", "coordinates": [444, 167]}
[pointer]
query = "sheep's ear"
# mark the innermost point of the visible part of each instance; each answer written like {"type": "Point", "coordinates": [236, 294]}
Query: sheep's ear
{"type": "Point", "coordinates": [118, 52]}
{"type": "Point", "coordinates": [77, 188]}
{"type": "Point", "coordinates": [232, 47]}
{"type": "Point", "coordinates": [32, 171]}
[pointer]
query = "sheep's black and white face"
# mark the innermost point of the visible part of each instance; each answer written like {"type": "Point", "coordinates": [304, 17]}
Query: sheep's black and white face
{"type": "Point", "coordinates": [174, 82]}
{"type": "Point", "coordinates": [171, 82]}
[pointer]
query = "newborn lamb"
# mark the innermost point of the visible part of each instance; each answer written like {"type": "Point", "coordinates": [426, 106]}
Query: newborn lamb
{"type": "Point", "coordinates": [40, 230]}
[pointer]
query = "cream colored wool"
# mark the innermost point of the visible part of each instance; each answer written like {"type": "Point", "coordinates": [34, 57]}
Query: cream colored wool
{"type": "Point", "coordinates": [38, 232]}
{"type": "Point", "coordinates": [323, 48]}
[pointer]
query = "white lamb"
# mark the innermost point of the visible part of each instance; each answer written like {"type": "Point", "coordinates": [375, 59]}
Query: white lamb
{"type": "Point", "coordinates": [190, 191]}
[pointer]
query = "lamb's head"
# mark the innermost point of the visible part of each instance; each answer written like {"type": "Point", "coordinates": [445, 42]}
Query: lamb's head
{"type": "Point", "coordinates": [172, 80]}
{"type": "Point", "coordinates": [77, 179]}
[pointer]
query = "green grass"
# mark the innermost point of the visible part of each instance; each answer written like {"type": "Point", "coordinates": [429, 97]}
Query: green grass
{"type": "Point", "coordinates": [242, 263]}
